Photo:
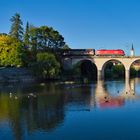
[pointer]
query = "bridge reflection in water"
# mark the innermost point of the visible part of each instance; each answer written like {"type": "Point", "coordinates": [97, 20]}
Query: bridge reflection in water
{"type": "Point", "coordinates": [105, 99]}
{"type": "Point", "coordinates": [48, 110]}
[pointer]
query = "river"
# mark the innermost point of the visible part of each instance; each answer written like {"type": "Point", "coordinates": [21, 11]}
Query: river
{"type": "Point", "coordinates": [104, 110]}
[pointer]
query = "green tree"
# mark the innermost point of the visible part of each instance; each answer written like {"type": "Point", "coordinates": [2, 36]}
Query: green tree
{"type": "Point", "coordinates": [16, 28]}
{"type": "Point", "coordinates": [27, 36]}
{"type": "Point", "coordinates": [66, 47]}
{"type": "Point", "coordinates": [33, 43]}
{"type": "Point", "coordinates": [46, 66]}
{"type": "Point", "coordinates": [46, 38]}
{"type": "Point", "coordinates": [118, 70]}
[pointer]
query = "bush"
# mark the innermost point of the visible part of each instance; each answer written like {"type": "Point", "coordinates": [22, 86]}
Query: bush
{"type": "Point", "coordinates": [46, 66]}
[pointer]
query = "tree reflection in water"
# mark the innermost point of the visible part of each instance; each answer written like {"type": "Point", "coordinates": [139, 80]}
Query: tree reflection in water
{"type": "Point", "coordinates": [43, 112]}
{"type": "Point", "coordinates": [46, 111]}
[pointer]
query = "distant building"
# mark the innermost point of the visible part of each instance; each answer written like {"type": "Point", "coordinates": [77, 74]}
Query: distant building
{"type": "Point", "coordinates": [132, 52]}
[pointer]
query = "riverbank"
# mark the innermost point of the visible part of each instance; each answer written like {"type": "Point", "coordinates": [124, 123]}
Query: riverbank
{"type": "Point", "coordinates": [12, 74]}
{"type": "Point", "coordinates": [25, 75]}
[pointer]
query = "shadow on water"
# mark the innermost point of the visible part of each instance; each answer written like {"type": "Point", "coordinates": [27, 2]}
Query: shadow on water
{"type": "Point", "coordinates": [34, 108]}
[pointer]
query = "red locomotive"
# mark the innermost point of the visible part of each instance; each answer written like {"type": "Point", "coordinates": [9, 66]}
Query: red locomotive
{"type": "Point", "coordinates": [110, 53]}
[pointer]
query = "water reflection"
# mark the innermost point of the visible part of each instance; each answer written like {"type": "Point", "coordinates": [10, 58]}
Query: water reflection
{"type": "Point", "coordinates": [106, 99]}
{"type": "Point", "coordinates": [46, 111]}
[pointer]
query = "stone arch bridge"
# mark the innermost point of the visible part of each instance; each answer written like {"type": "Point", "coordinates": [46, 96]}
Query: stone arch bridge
{"type": "Point", "coordinates": [100, 63]}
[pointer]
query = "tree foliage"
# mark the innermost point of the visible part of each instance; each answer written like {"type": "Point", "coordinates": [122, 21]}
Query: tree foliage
{"type": "Point", "coordinates": [27, 36]}
{"type": "Point", "coordinates": [46, 66]}
{"type": "Point", "coordinates": [10, 51]}
{"type": "Point", "coordinates": [114, 71]}
{"type": "Point", "coordinates": [44, 38]}
{"type": "Point", "coordinates": [119, 70]}
{"type": "Point", "coordinates": [134, 72]}
{"type": "Point", "coordinates": [16, 28]}
{"type": "Point", "coordinates": [66, 47]}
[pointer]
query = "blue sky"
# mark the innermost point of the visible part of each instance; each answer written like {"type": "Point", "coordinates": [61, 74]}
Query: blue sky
{"type": "Point", "coordinates": [99, 24]}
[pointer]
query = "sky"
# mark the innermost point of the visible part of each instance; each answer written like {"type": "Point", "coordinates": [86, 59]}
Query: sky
{"type": "Point", "coordinates": [96, 24]}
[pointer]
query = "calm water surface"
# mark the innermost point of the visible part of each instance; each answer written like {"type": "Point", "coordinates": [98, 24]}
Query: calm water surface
{"type": "Point", "coordinates": [106, 110]}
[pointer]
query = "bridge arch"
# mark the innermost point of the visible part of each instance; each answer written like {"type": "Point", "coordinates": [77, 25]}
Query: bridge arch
{"type": "Point", "coordinates": [134, 62]}
{"type": "Point", "coordinates": [135, 71]}
{"type": "Point", "coordinates": [87, 67]}
{"type": "Point", "coordinates": [111, 60]}
{"type": "Point", "coordinates": [104, 65]}
{"type": "Point", "coordinates": [75, 62]}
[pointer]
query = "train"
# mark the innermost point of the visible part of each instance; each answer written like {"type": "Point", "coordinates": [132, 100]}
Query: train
{"type": "Point", "coordinates": [93, 52]}
{"type": "Point", "coordinates": [79, 52]}
{"type": "Point", "coordinates": [110, 52]}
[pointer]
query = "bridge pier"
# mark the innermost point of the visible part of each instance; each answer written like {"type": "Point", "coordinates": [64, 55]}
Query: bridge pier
{"type": "Point", "coordinates": [127, 74]}
{"type": "Point", "coordinates": [100, 75]}
{"type": "Point", "coordinates": [127, 81]}
{"type": "Point", "coordinates": [127, 85]}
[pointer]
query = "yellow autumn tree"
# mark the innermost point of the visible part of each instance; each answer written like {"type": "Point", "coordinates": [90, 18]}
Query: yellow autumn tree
{"type": "Point", "coordinates": [10, 51]}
